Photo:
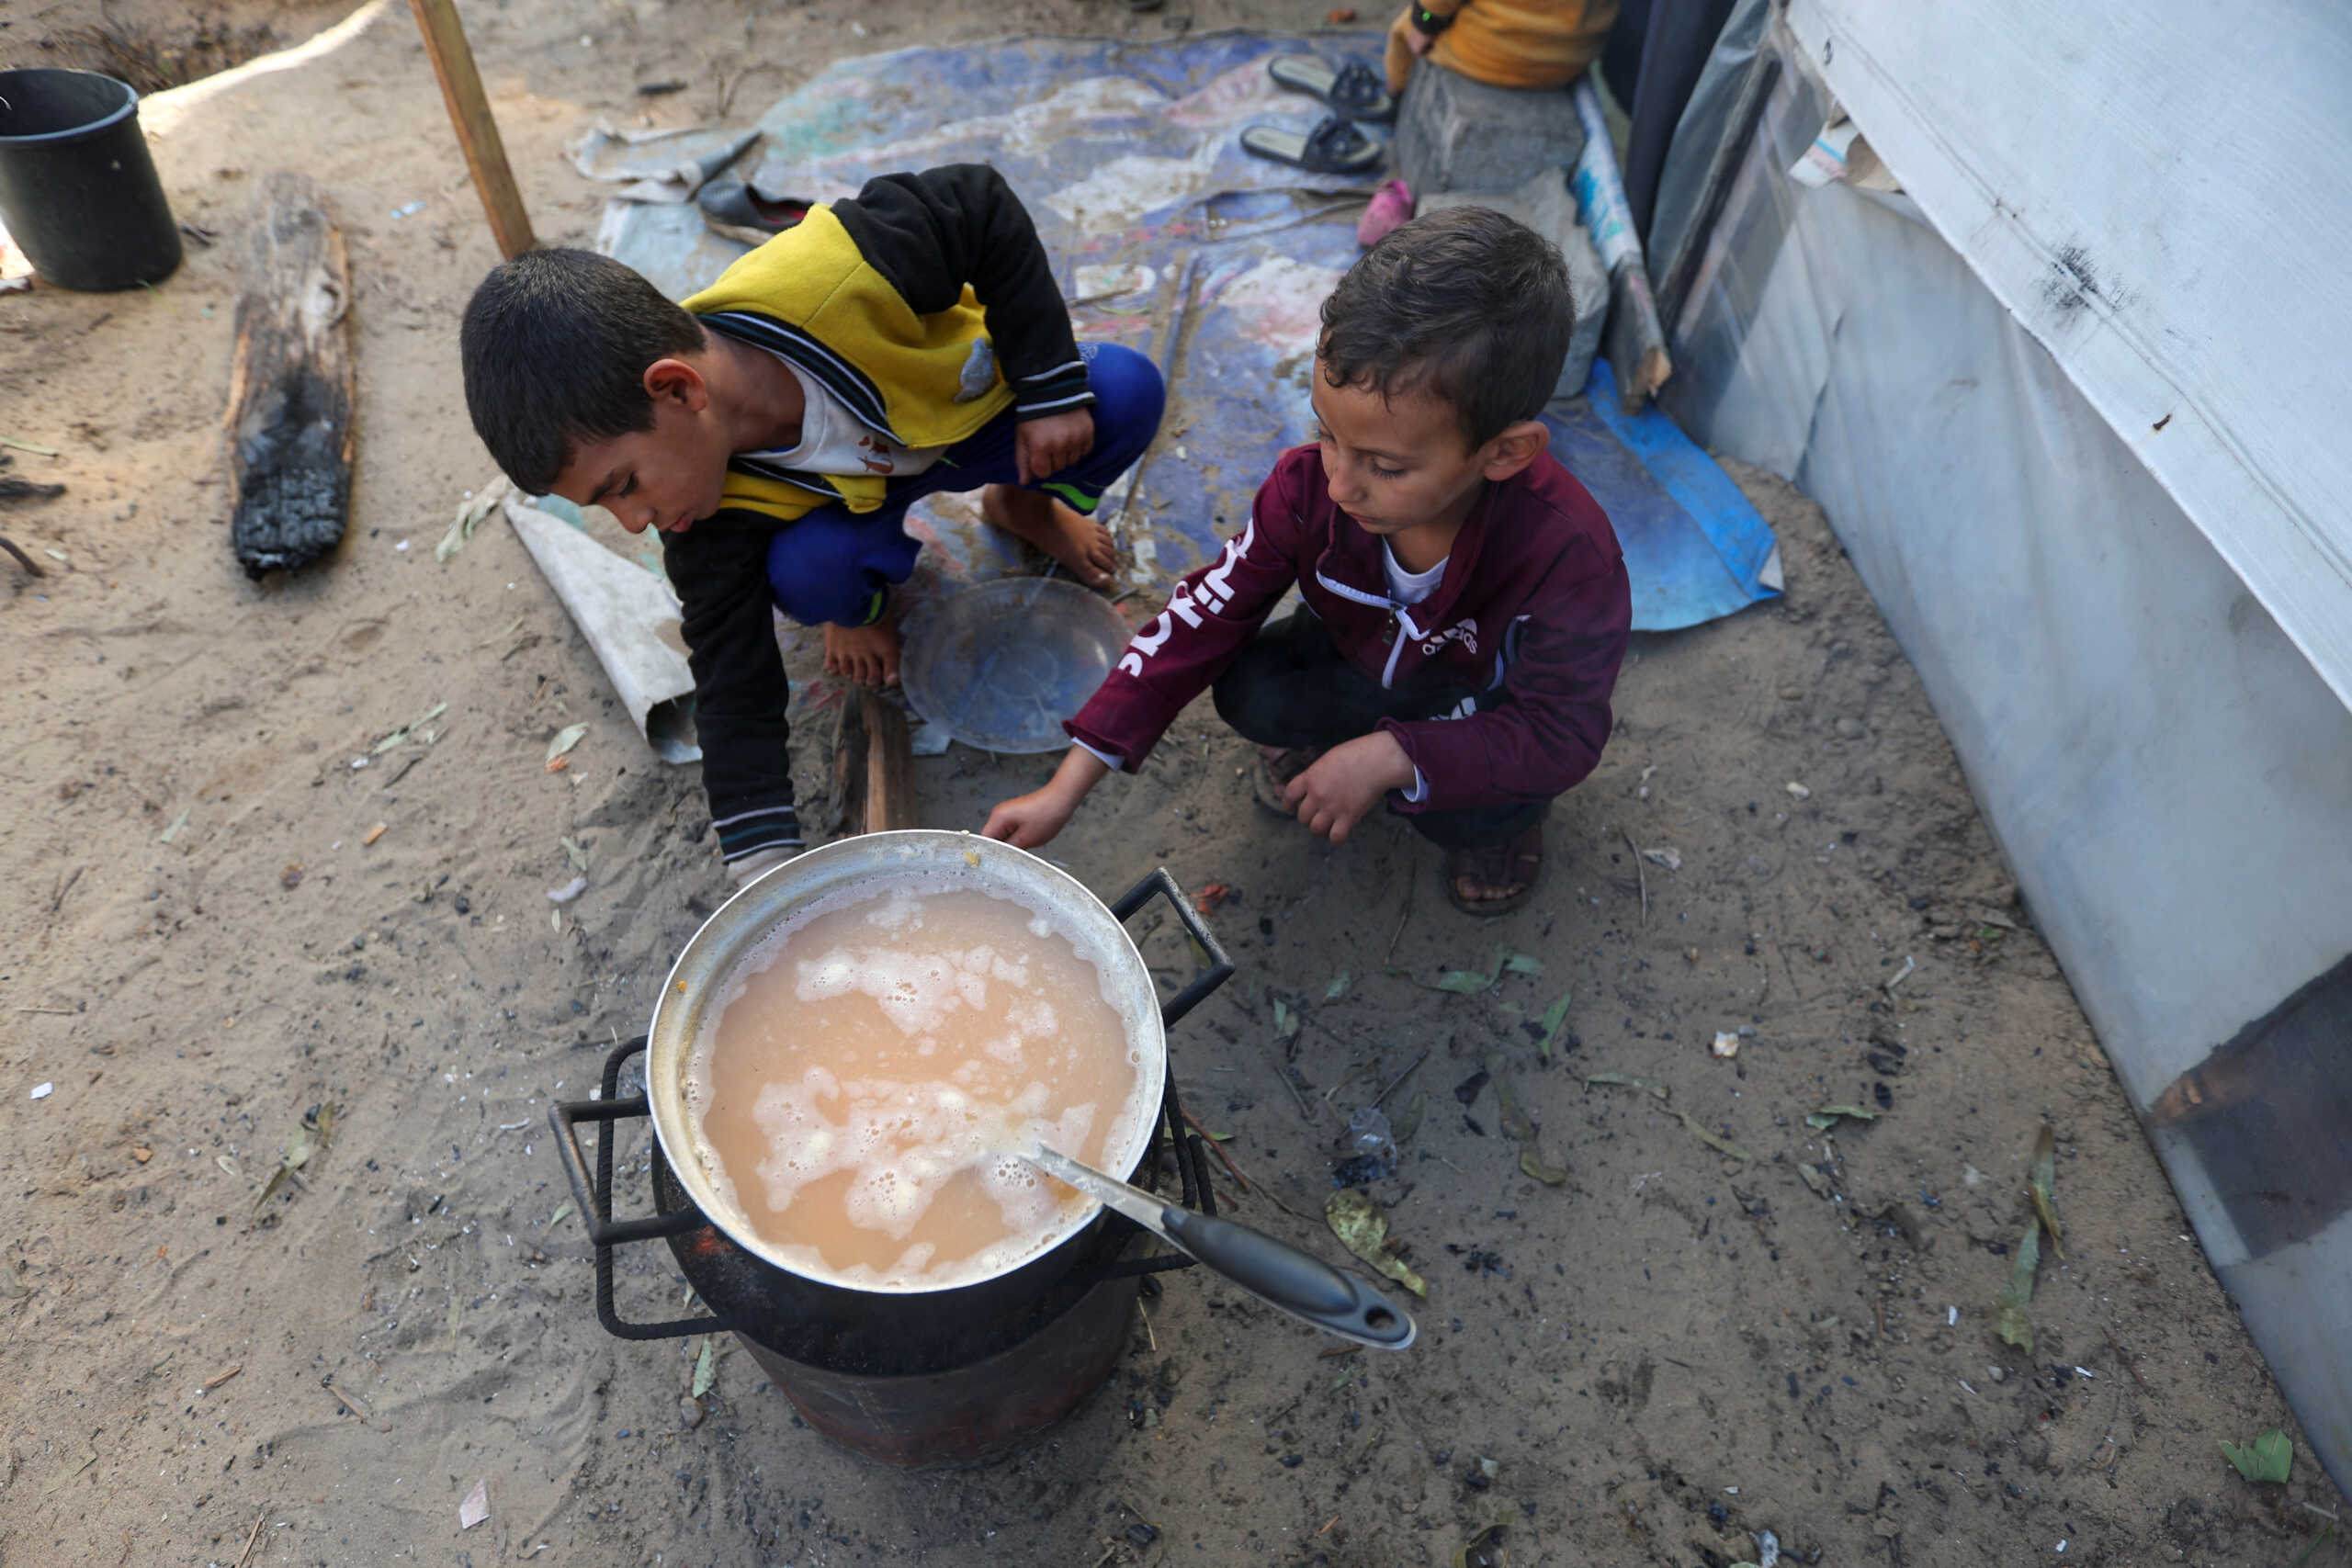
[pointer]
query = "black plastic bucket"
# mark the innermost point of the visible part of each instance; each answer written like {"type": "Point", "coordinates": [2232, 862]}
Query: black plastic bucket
{"type": "Point", "coordinates": [77, 189]}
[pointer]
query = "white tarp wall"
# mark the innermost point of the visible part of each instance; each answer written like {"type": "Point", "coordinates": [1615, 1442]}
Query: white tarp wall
{"type": "Point", "coordinates": [2162, 194]}
{"type": "Point", "coordinates": [2128, 636]}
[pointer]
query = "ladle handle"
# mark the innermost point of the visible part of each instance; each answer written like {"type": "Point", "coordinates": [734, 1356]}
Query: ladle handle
{"type": "Point", "coordinates": [1299, 1282]}
{"type": "Point", "coordinates": [1216, 967]}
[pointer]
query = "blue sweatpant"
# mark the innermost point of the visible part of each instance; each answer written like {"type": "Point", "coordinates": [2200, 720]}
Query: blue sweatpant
{"type": "Point", "coordinates": [835, 565]}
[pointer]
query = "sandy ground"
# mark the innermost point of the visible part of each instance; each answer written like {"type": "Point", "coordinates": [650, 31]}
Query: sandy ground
{"type": "Point", "coordinates": [155, 46]}
{"type": "Point", "coordinates": [1673, 1350]}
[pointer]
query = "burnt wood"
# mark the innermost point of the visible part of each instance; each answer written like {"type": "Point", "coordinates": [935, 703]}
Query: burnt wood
{"type": "Point", "coordinates": [288, 426]}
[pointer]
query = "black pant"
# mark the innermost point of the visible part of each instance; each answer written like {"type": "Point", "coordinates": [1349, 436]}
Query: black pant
{"type": "Point", "coordinates": [1290, 687]}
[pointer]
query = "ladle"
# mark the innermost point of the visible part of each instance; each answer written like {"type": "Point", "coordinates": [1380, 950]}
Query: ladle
{"type": "Point", "coordinates": [1274, 1272]}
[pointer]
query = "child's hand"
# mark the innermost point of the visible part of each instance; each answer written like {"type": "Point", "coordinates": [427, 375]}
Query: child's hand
{"type": "Point", "coordinates": [1347, 782]}
{"type": "Point", "coordinates": [1029, 821]}
{"type": "Point", "coordinates": [1042, 447]}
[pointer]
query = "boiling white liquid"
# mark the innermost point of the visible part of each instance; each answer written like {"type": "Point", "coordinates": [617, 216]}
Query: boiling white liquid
{"type": "Point", "coordinates": [872, 1069]}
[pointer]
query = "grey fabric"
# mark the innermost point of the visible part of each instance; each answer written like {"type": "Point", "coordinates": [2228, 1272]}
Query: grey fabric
{"type": "Point", "coordinates": [1678, 40]}
{"type": "Point", "coordinates": [1455, 134]}
{"type": "Point", "coordinates": [1706, 120]}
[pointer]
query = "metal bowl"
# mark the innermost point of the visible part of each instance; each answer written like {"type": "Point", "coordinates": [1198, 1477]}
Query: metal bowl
{"type": "Point", "coordinates": [999, 664]}
{"type": "Point", "coordinates": [698, 981]}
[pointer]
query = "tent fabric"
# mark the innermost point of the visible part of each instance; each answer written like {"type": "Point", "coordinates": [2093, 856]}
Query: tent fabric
{"type": "Point", "coordinates": [2168, 776]}
{"type": "Point", "coordinates": [2160, 194]}
{"type": "Point", "coordinates": [1706, 122]}
{"type": "Point", "coordinates": [1655, 57]}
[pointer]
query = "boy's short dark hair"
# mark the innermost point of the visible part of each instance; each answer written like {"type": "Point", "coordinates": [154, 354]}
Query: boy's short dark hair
{"type": "Point", "coordinates": [555, 345]}
{"type": "Point", "coordinates": [1465, 306]}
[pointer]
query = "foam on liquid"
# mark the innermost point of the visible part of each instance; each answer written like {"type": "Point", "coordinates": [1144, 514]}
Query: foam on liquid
{"type": "Point", "coordinates": [873, 1064]}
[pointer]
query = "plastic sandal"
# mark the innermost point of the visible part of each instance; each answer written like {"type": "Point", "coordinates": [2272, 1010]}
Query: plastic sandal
{"type": "Point", "coordinates": [1514, 864]}
{"type": "Point", "coordinates": [1334, 147]}
{"type": "Point", "coordinates": [1355, 89]}
{"type": "Point", "coordinates": [1277, 765]}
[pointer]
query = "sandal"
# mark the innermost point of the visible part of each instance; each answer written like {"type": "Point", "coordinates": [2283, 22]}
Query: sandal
{"type": "Point", "coordinates": [1513, 864]}
{"type": "Point", "coordinates": [1355, 89]}
{"type": "Point", "coordinates": [1277, 765]}
{"type": "Point", "coordinates": [1334, 147]}
{"type": "Point", "coordinates": [733, 208]}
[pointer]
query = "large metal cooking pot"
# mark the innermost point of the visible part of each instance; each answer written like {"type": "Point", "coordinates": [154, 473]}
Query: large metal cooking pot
{"type": "Point", "coordinates": [830, 1312]}
{"type": "Point", "coordinates": [933, 862]}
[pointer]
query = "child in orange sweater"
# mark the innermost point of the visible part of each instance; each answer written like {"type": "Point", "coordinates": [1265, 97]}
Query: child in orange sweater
{"type": "Point", "coordinates": [1505, 43]}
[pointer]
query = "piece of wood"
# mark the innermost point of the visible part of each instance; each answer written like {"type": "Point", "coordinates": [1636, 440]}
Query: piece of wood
{"type": "Point", "coordinates": [889, 766]}
{"type": "Point", "coordinates": [289, 424]}
{"type": "Point", "coordinates": [250, 1535]}
{"type": "Point", "coordinates": [845, 815]}
{"type": "Point", "coordinates": [1642, 877]}
{"type": "Point", "coordinates": [14, 491]}
{"type": "Point", "coordinates": [874, 768]}
{"type": "Point", "coordinates": [1637, 340]}
{"type": "Point", "coordinates": [453, 63]}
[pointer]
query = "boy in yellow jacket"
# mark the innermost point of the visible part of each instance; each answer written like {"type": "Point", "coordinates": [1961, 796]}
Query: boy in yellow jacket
{"type": "Point", "coordinates": [775, 428]}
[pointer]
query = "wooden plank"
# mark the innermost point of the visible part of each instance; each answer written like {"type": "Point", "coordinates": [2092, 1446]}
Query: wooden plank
{"type": "Point", "coordinates": [889, 766]}
{"type": "Point", "coordinates": [847, 813]}
{"type": "Point", "coordinates": [872, 784]}
{"type": "Point", "coordinates": [289, 424]}
{"type": "Point", "coordinates": [477, 138]}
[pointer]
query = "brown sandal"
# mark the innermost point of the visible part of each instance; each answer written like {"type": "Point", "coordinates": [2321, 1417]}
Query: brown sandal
{"type": "Point", "coordinates": [1277, 765]}
{"type": "Point", "coordinates": [1513, 864]}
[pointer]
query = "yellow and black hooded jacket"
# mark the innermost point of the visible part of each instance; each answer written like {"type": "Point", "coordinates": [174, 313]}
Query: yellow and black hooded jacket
{"type": "Point", "coordinates": [928, 306]}
{"type": "Point", "coordinates": [900, 303]}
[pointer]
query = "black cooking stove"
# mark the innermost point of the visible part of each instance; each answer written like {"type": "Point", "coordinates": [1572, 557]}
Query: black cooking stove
{"type": "Point", "coordinates": [938, 1377]}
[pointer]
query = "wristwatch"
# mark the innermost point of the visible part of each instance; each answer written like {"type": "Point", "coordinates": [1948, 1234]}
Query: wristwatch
{"type": "Point", "coordinates": [1428, 21]}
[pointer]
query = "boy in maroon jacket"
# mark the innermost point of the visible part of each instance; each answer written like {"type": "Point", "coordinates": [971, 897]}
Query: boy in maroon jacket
{"type": "Point", "coordinates": [1465, 603]}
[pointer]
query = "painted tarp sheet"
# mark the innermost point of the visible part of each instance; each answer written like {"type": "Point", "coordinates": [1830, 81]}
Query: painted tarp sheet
{"type": "Point", "coordinates": [1172, 241]}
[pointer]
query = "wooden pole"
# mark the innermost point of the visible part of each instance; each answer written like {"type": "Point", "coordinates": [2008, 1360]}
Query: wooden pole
{"type": "Point", "coordinates": [452, 62]}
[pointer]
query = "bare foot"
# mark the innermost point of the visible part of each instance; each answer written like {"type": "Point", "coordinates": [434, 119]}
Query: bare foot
{"type": "Point", "coordinates": [868, 655]}
{"type": "Point", "coordinates": [1083, 546]}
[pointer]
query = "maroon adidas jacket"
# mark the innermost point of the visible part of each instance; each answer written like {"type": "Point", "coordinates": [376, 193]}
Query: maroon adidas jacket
{"type": "Point", "coordinates": [1534, 607]}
